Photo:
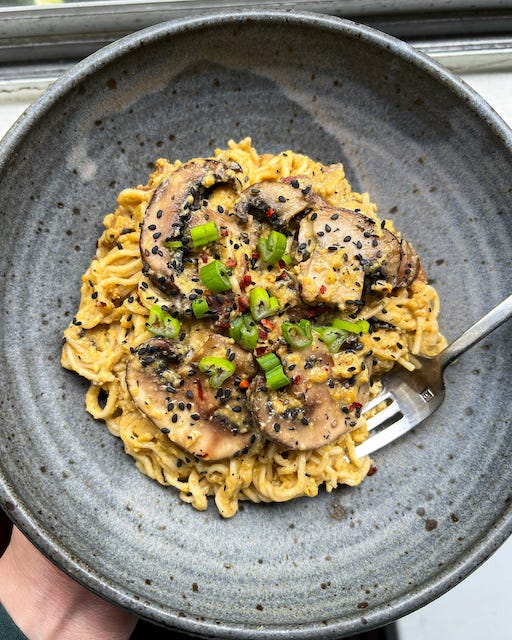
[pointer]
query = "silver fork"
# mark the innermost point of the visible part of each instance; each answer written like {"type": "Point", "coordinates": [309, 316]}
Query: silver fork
{"type": "Point", "coordinates": [411, 396]}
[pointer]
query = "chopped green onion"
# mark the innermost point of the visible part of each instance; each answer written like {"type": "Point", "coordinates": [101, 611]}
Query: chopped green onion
{"type": "Point", "coordinates": [215, 276]}
{"type": "Point", "coordinates": [287, 259]}
{"type": "Point", "coordinates": [218, 369]}
{"type": "Point", "coordinates": [173, 244]}
{"type": "Point", "coordinates": [261, 304]}
{"type": "Point", "coordinates": [274, 374]}
{"type": "Point", "coordinates": [204, 234]}
{"type": "Point", "coordinates": [332, 337]}
{"type": "Point", "coordinates": [244, 330]}
{"type": "Point", "coordinates": [297, 335]}
{"type": "Point", "coordinates": [200, 308]}
{"type": "Point", "coordinates": [268, 362]}
{"type": "Point", "coordinates": [273, 247]}
{"type": "Point", "coordinates": [161, 323]}
{"type": "Point", "coordinates": [276, 378]}
{"type": "Point", "coordinates": [361, 326]}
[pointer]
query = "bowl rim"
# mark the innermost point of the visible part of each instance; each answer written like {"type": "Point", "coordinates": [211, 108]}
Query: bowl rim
{"type": "Point", "coordinates": [46, 541]}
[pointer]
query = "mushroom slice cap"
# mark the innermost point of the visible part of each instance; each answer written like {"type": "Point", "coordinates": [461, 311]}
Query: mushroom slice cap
{"type": "Point", "coordinates": [273, 202]}
{"type": "Point", "coordinates": [184, 408]}
{"type": "Point", "coordinates": [340, 248]}
{"type": "Point", "coordinates": [301, 416]}
{"type": "Point", "coordinates": [169, 211]}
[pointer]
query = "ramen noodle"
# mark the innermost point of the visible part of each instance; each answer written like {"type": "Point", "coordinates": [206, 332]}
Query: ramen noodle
{"type": "Point", "coordinates": [238, 313]}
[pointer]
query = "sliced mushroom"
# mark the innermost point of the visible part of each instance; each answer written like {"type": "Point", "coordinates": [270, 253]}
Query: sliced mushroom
{"type": "Point", "coordinates": [337, 248]}
{"type": "Point", "coordinates": [341, 248]}
{"type": "Point", "coordinates": [273, 202]}
{"type": "Point", "coordinates": [165, 385]}
{"type": "Point", "coordinates": [177, 204]}
{"type": "Point", "coordinates": [304, 415]}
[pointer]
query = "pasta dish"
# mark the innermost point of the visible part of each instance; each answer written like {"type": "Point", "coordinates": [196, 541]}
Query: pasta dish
{"type": "Point", "coordinates": [235, 319]}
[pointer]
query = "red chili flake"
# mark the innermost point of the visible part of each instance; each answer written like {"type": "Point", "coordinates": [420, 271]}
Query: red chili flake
{"type": "Point", "coordinates": [312, 313]}
{"type": "Point", "coordinates": [269, 212]}
{"type": "Point", "coordinates": [262, 334]}
{"type": "Point", "coordinates": [355, 405]}
{"type": "Point", "coordinates": [255, 255]}
{"type": "Point", "coordinates": [244, 384]}
{"type": "Point", "coordinates": [372, 470]}
{"type": "Point", "coordinates": [224, 233]}
{"type": "Point", "coordinates": [230, 262]}
{"type": "Point", "coordinates": [204, 257]}
{"type": "Point", "coordinates": [267, 324]}
{"type": "Point", "coordinates": [199, 389]}
{"type": "Point", "coordinates": [245, 281]}
{"type": "Point", "coordinates": [297, 379]}
{"type": "Point", "coordinates": [100, 303]}
{"type": "Point", "coordinates": [323, 289]}
{"type": "Point", "coordinates": [282, 276]}
{"type": "Point", "coordinates": [260, 351]}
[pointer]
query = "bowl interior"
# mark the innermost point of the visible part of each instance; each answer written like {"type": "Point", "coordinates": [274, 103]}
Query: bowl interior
{"type": "Point", "coordinates": [433, 158]}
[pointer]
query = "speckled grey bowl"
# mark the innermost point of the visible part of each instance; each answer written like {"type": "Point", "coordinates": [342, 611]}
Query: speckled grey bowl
{"type": "Point", "coordinates": [430, 152]}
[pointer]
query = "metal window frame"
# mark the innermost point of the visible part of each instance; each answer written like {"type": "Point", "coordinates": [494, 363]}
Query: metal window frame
{"type": "Point", "coordinates": [38, 43]}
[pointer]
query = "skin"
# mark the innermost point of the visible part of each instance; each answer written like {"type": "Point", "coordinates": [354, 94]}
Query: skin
{"type": "Point", "coordinates": [46, 604]}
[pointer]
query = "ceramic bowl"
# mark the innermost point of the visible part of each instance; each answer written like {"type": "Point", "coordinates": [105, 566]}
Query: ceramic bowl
{"type": "Point", "coordinates": [434, 157]}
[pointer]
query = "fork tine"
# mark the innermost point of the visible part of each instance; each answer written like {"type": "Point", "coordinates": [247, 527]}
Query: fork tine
{"type": "Point", "coordinates": [385, 436]}
{"type": "Point", "coordinates": [382, 397]}
{"type": "Point", "coordinates": [383, 415]}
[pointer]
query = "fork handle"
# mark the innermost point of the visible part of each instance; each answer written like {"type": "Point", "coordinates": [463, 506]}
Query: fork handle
{"type": "Point", "coordinates": [479, 330]}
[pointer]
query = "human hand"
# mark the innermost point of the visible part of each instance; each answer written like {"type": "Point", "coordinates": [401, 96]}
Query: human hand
{"type": "Point", "coordinates": [45, 603]}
